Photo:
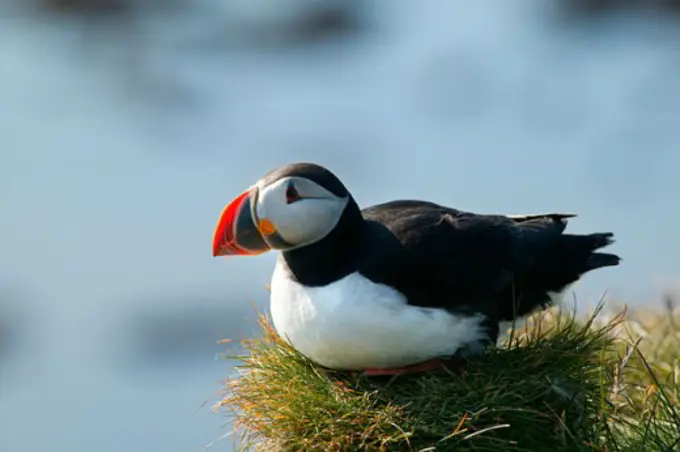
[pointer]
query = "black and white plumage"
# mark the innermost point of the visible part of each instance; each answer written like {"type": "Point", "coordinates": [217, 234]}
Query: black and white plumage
{"type": "Point", "coordinates": [399, 283]}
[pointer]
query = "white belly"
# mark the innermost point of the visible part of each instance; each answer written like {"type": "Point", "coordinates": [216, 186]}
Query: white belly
{"type": "Point", "coordinates": [355, 323]}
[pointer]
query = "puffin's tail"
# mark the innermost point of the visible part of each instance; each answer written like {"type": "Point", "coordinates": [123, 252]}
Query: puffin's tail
{"type": "Point", "coordinates": [571, 257]}
{"type": "Point", "coordinates": [599, 260]}
{"type": "Point", "coordinates": [577, 253]}
{"type": "Point", "coordinates": [580, 246]}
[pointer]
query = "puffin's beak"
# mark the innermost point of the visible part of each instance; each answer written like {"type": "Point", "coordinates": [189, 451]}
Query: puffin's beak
{"type": "Point", "coordinates": [236, 233]}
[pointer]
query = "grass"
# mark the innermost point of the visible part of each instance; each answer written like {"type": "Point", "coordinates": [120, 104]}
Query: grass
{"type": "Point", "coordinates": [556, 384]}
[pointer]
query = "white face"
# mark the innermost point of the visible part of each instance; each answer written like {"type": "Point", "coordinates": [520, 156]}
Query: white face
{"type": "Point", "coordinates": [301, 211]}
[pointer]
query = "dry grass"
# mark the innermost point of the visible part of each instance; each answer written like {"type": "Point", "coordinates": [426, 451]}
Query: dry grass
{"type": "Point", "coordinates": [557, 384]}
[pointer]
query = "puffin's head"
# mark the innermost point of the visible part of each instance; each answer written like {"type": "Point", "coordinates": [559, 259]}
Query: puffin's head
{"type": "Point", "coordinates": [288, 208]}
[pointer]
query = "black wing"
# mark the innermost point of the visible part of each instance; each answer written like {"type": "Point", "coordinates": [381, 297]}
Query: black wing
{"type": "Point", "coordinates": [442, 257]}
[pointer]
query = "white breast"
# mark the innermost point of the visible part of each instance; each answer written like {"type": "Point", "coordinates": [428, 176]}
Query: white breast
{"type": "Point", "coordinates": [355, 323]}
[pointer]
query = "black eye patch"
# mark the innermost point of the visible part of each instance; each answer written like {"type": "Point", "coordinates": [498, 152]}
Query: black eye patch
{"type": "Point", "coordinates": [292, 194]}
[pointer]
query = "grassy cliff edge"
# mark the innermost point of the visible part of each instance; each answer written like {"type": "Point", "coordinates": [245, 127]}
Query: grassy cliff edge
{"type": "Point", "coordinates": [556, 384]}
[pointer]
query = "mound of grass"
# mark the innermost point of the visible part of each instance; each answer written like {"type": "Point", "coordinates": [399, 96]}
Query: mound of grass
{"type": "Point", "coordinates": [556, 384]}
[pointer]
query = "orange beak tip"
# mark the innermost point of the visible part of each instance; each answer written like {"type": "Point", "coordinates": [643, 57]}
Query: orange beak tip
{"type": "Point", "coordinates": [237, 233]}
{"type": "Point", "coordinates": [223, 236]}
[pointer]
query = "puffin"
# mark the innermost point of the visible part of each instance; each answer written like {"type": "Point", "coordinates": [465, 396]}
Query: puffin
{"type": "Point", "coordinates": [399, 287]}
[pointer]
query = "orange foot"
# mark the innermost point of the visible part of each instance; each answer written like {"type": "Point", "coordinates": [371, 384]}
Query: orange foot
{"type": "Point", "coordinates": [425, 366]}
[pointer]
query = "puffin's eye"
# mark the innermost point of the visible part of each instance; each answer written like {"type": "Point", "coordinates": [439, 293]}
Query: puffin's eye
{"type": "Point", "coordinates": [292, 194]}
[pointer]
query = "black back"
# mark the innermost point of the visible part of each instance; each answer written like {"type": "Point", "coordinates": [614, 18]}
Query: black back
{"type": "Point", "coordinates": [461, 261]}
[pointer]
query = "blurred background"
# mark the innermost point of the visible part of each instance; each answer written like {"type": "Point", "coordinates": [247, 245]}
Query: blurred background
{"type": "Point", "coordinates": [127, 125]}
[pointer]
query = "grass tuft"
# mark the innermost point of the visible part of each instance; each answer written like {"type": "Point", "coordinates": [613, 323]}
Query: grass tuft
{"type": "Point", "coordinates": [556, 384]}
